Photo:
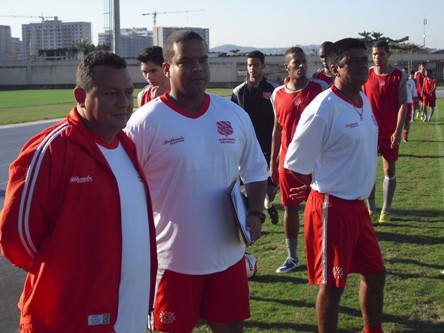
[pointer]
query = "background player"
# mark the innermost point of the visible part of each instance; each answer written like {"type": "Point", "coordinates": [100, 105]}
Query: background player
{"type": "Point", "coordinates": [289, 102]}
{"type": "Point", "coordinates": [323, 73]}
{"type": "Point", "coordinates": [419, 78]}
{"type": "Point", "coordinates": [151, 60]}
{"type": "Point", "coordinates": [387, 93]}
{"type": "Point", "coordinates": [253, 96]}
{"type": "Point", "coordinates": [428, 95]}
{"type": "Point", "coordinates": [412, 102]}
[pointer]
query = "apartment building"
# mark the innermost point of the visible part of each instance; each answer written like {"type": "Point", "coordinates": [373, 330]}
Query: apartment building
{"type": "Point", "coordinates": [132, 41]}
{"type": "Point", "coordinates": [161, 34]}
{"type": "Point", "coordinates": [52, 35]}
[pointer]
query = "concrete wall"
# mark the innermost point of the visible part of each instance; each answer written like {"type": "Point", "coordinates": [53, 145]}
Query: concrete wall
{"type": "Point", "coordinates": [225, 71]}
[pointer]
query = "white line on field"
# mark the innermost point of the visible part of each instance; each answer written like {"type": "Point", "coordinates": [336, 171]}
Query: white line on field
{"type": "Point", "coordinates": [440, 153]}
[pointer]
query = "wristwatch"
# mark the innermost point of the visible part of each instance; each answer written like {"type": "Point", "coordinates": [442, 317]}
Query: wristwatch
{"type": "Point", "coordinates": [257, 213]}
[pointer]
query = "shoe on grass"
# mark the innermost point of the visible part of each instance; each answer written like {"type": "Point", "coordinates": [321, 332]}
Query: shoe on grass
{"type": "Point", "coordinates": [289, 265]}
{"type": "Point", "coordinates": [374, 216]}
{"type": "Point", "coordinates": [384, 217]}
{"type": "Point", "coordinates": [274, 216]}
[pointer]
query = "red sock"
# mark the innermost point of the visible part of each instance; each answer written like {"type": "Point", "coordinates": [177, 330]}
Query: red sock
{"type": "Point", "coordinates": [377, 329]}
{"type": "Point", "coordinates": [405, 134]}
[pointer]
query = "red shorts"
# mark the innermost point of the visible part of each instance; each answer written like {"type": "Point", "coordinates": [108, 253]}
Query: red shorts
{"type": "Point", "coordinates": [390, 154]}
{"type": "Point", "coordinates": [408, 116]}
{"type": "Point", "coordinates": [182, 299]}
{"type": "Point", "coordinates": [429, 101]}
{"type": "Point", "coordinates": [286, 182]}
{"type": "Point", "coordinates": [339, 240]}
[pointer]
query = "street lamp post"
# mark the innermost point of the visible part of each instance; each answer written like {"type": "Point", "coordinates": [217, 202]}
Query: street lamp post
{"type": "Point", "coordinates": [116, 26]}
{"type": "Point", "coordinates": [425, 23]}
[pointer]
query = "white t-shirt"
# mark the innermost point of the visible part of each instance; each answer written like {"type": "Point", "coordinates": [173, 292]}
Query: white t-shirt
{"type": "Point", "coordinates": [338, 148]}
{"type": "Point", "coordinates": [189, 163]}
{"type": "Point", "coordinates": [411, 90]}
{"type": "Point", "coordinates": [134, 288]}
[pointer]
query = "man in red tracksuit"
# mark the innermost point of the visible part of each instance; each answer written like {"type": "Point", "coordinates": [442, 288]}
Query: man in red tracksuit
{"type": "Point", "coordinates": [77, 214]}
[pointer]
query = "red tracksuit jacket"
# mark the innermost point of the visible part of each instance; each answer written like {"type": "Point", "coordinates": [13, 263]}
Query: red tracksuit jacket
{"type": "Point", "coordinates": [65, 230]}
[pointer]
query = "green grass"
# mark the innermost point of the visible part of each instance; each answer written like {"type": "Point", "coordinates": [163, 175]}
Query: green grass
{"type": "Point", "coordinates": [412, 243]}
{"type": "Point", "coordinates": [20, 106]}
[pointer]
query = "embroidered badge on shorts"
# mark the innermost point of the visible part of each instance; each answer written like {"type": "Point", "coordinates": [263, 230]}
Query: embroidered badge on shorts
{"type": "Point", "coordinates": [167, 317]}
{"type": "Point", "coordinates": [337, 272]}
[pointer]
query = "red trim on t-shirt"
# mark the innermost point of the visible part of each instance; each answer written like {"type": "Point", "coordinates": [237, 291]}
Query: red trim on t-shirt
{"type": "Point", "coordinates": [345, 98]}
{"type": "Point", "coordinates": [203, 109]}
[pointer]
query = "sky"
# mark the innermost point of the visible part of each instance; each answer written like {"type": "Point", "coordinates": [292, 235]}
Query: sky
{"type": "Point", "coordinates": [255, 23]}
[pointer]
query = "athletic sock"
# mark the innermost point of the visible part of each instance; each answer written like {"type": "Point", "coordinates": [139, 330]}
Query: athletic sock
{"type": "Point", "coordinates": [431, 113]}
{"type": "Point", "coordinates": [292, 246]}
{"type": "Point", "coordinates": [388, 191]}
{"type": "Point", "coordinates": [267, 202]}
{"type": "Point", "coordinates": [372, 201]}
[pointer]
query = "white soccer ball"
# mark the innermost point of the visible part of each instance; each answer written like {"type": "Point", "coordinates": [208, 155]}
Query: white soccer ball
{"type": "Point", "coordinates": [251, 263]}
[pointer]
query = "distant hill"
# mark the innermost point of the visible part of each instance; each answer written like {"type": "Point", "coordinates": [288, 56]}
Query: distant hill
{"type": "Point", "coordinates": [226, 48]}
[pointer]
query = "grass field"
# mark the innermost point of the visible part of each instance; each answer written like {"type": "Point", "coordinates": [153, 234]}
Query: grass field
{"type": "Point", "coordinates": [412, 243]}
{"type": "Point", "coordinates": [20, 106]}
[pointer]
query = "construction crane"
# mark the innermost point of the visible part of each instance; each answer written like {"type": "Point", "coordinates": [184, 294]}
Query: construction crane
{"type": "Point", "coordinates": [20, 16]}
{"type": "Point", "coordinates": [155, 13]}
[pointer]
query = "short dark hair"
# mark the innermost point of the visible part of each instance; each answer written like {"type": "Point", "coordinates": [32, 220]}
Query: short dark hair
{"type": "Point", "coordinates": [337, 50]}
{"type": "Point", "coordinates": [177, 37]}
{"type": "Point", "coordinates": [84, 75]}
{"type": "Point", "coordinates": [382, 43]}
{"type": "Point", "coordinates": [153, 54]}
{"type": "Point", "coordinates": [257, 54]}
{"type": "Point", "coordinates": [325, 45]}
{"type": "Point", "coordinates": [292, 50]}
{"type": "Point", "coordinates": [412, 73]}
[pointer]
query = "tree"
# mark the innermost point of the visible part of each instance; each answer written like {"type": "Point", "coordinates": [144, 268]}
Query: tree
{"type": "Point", "coordinates": [396, 45]}
{"type": "Point", "coordinates": [86, 47]}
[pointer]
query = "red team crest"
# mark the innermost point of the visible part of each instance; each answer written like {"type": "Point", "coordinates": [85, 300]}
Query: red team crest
{"type": "Point", "coordinates": [224, 128]}
{"type": "Point", "coordinates": [297, 102]}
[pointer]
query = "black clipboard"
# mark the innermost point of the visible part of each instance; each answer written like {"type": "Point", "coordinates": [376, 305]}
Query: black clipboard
{"type": "Point", "coordinates": [238, 203]}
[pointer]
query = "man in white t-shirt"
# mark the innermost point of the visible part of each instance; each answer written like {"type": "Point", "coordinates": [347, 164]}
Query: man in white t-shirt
{"type": "Point", "coordinates": [192, 145]}
{"type": "Point", "coordinates": [334, 152]}
{"type": "Point", "coordinates": [412, 103]}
